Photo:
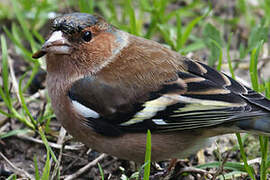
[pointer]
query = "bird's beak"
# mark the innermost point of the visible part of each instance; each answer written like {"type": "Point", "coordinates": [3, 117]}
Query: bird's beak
{"type": "Point", "coordinates": [56, 44]}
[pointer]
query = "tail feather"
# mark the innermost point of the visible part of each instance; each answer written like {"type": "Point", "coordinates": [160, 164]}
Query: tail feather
{"type": "Point", "coordinates": [258, 125]}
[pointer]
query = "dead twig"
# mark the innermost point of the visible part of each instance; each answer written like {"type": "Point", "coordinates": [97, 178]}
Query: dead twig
{"type": "Point", "coordinates": [13, 79]}
{"type": "Point", "coordinates": [17, 170]}
{"type": "Point", "coordinates": [53, 145]}
{"type": "Point", "coordinates": [85, 168]}
{"type": "Point", "coordinates": [60, 141]}
{"type": "Point", "coordinates": [195, 170]}
{"type": "Point", "coordinates": [221, 167]}
{"type": "Point", "coordinates": [254, 161]}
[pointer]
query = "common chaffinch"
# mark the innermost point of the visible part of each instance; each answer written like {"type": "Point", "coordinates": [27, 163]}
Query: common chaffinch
{"type": "Point", "coordinates": [108, 87]}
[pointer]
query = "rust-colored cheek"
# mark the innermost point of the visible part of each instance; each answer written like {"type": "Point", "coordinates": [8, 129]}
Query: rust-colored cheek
{"type": "Point", "coordinates": [98, 50]}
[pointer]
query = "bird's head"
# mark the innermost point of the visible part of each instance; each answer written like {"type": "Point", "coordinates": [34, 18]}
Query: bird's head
{"type": "Point", "coordinates": [84, 38]}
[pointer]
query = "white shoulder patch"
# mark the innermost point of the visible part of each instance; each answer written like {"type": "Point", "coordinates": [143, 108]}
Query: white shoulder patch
{"type": "Point", "coordinates": [84, 111]}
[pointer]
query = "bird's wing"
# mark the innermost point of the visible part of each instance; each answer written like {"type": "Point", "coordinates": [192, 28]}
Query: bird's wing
{"type": "Point", "coordinates": [199, 97]}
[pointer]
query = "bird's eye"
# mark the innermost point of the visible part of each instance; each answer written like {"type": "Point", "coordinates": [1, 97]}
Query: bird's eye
{"type": "Point", "coordinates": [87, 36]}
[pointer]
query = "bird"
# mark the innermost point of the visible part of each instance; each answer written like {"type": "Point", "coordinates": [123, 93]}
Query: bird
{"type": "Point", "coordinates": [109, 87]}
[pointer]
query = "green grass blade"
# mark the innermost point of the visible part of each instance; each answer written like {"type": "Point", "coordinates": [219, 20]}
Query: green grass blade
{"type": "Point", "coordinates": [191, 25]}
{"type": "Point", "coordinates": [264, 151]}
{"type": "Point", "coordinates": [12, 36]}
{"type": "Point", "coordinates": [101, 171]}
{"type": "Point", "coordinates": [22, 21]}
{"type": "Point", "coordinates": [24, 106]}
{"type": "Point", "coordinates": [34, 72]}
{"type": "Point", "coordinates": [145, 5]}
{"type": "Point", "coordinates": [235, 166]}
{"type": "Point", "coordinates": [46, 143]}
{"type": "Point", "coordinates": [253, 66]}
{"type": "Point", "coordinates": [258, 33]}
{"type": "Point", "coordinates": [86, 6]}
{"type": "Point", "coordinates": [38, 36]}
{"type": "Point", "coordinates": [5, 99]}
{"type": "Point", "coordinates": [14, 132]}
{"type": "Point", "coordinates": [3, 112]}
{"type": "Point", "coordinates": [248, 168]}
{"type": "Point", "coordinates": [147, 157]}
{"type": "Point", "coordinates": [47, 168]}
{"type": "Point", "coordinates": [220, 54]}
{"type": "Point", "coordinates": [195, 46]}
{"type": "Point", "coordinates": [114, 14]}
{"type": "Point", "coordinates": [12, 177]}
{"type": "Point", "coordinates": [179, 38]}
{"type": "Point", "coordinates": [166, 34]}
{"type": "Point", "coordinates": [5, 73]}
{"type": "Point", "coordinates": [229, 57]}
{"type": "Point", "coordinates": [37, 176]}
{"type": "Point", "coordinates": [210, 34]}
{"type": "Point", "coordinates": [132, 18]}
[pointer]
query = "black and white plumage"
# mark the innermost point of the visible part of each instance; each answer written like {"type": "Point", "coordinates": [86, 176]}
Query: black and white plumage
{"type": "Point", "coordinates": [200, 97]}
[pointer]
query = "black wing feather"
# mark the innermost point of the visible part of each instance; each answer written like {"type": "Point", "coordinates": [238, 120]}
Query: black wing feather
{"type": "Point", "coordinates": [200, 97]}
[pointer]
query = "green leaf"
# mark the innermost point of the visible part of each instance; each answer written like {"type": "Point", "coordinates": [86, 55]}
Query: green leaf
{"type": "Point", "coordinates": [257, 34]}
{"type": "Point", "coordinates": [14, 132]}
{"type": "Point", "coordinates": [12, 36]}
{"type": "Point", "coordinates": [264, 152]}
{"type": "Point", "coordinates": [235, 166]}
{"type": "Point", "coordinates": [101, 171]}
{"type": "Point", "coordinates": [253, 65]}
{"type": "Point", "coordinates": [5, 65]}
{"type": "Point", "coordinates": [179, 38]}
{"type": "Point", "coordinates": [145, 5]}
{"type": "Point", "coordinates": [219, 58]}
{"type": "Point", "coordinates": [211, 35]}
{"type": "Point", "coordinates": [47, 168]}
{"type": "Point", "coordinates": [147, 156]}
{"type": "Point", "coordinates": [229, 56]}
{"type": "Point", "coordinates": [24, 106]}
{"type": "Point", "coordinates": [242, 51]}
{"type": "Point", "coordinates": [86, 6]}
{"type": "Point", "coordinates": [37, 176]}
{"type": "Point", "coordinates": [211, 32]}
{"type": "Point", "coordinates": [25, 28]}
{"type": "Point", "coordinates": [35, 70]}
{"type": "Point", "coordinates": [132, 17]}
{"type": "Point", "coordinates": [166, 33]}
{"type": "Point", "coordinates": [190, 26]}
{"type": "Point", "coordinates": [248, 168]}
{"type": "Point", "coordinates": [195, 46]}
{"type": "Point", "coordinates": [46, 143]}
{"type": "Point", "coordinates": [12, 177]}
